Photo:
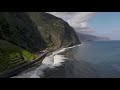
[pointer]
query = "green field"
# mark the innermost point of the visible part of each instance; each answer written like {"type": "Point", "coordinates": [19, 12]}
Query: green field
{"type": "Point", "coordinates": [12, 55]}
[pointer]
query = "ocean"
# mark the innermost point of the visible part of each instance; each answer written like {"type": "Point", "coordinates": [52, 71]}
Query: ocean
{"type": "Point", "coordinates": [100, 59]}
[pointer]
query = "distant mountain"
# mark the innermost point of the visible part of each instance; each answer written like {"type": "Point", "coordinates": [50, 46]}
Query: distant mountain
{"type": "Point", "coordinates": [86, 37]}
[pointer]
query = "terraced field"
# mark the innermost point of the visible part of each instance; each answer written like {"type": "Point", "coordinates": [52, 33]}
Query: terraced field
{"type": "Point", "coordinates": [12, 55]}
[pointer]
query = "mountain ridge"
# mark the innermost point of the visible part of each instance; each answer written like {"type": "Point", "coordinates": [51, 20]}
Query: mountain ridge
{"type": "Point", "coordinates": [87, 37]}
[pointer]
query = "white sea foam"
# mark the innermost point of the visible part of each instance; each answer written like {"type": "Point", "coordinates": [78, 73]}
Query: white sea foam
{"type": "Point", "coordinates": [48, 60]}
{"type": "Point", "coordinates": [51, 62]}
{"type": "Point", "coordinates": [35, 75]}
{"type": "Point", "coordinates": [58, 59]}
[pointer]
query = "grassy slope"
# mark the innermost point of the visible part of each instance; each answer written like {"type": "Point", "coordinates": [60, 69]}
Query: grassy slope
{"type": "Point", "coordinates": [12, 55]}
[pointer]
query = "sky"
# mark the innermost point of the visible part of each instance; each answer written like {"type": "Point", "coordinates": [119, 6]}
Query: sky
{"type": "Point", "coordinates": [95, 23]}
{"type": "Point", "coordinates": [106, 24]}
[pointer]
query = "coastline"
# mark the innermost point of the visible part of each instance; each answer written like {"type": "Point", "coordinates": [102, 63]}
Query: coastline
{"type": "Point", "coordinates": [14, 71]}
{"type": "Point", "coordinates": [19, 69]}
{"type": "Point", "coordinates": [54, 60]}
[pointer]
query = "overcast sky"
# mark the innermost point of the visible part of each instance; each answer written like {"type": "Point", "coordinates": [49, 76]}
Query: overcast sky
{"type": "Point", "coordinates": [100, 23]}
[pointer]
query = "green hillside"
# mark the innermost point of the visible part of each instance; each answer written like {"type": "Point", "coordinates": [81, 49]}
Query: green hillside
{"type": "Point", "coordinates": [22, 34]}
{"type": "Point", "coordinates": [12, 55]}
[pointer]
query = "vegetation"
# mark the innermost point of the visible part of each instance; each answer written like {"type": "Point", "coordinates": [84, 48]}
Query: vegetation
{"type": "Point", "coordinates": [22, 34]}
{"type": "Point", "coordinates": [19, 29]}
{"type": "Point", "coordinates": [12, 55]}
{"type": "Point", "coordinates": [55, 31]}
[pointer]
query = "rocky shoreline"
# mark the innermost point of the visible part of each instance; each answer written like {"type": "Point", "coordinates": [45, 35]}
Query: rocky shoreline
{"type": "Point", "coordinates": [15, 71]}
{"type": "Point", "coordinates": [12, 72]}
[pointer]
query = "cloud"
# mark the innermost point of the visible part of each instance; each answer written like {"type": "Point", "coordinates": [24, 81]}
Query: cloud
{"type": "Point", "coordinates": [116, 31]}
{"type": "Point", "coordinates": [115, 34]}
{"type": "Point", "coordinates": [78, 20]}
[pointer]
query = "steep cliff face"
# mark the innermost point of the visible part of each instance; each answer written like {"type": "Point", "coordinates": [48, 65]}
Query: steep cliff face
{"type": "Point", "coordinates": [22, 34]}
{"type": "Point", "coordinates": [55, 31]}
{"type": "Point", "coordinates": [18, 28]}
{"type": "Point", "coordinates": [35, 31]}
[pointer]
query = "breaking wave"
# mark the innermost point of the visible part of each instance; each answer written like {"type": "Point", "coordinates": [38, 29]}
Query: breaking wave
{"type": "Point", "coordinates": [50, 62]}
{"type": "Point", "coordinates": [56, 59]}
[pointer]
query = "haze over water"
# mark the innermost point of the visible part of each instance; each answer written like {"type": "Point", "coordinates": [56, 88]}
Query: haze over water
{"type": "Point", "coordinates": [99, 59]}
{"type": "Point", "coordinates": [92, 60]}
